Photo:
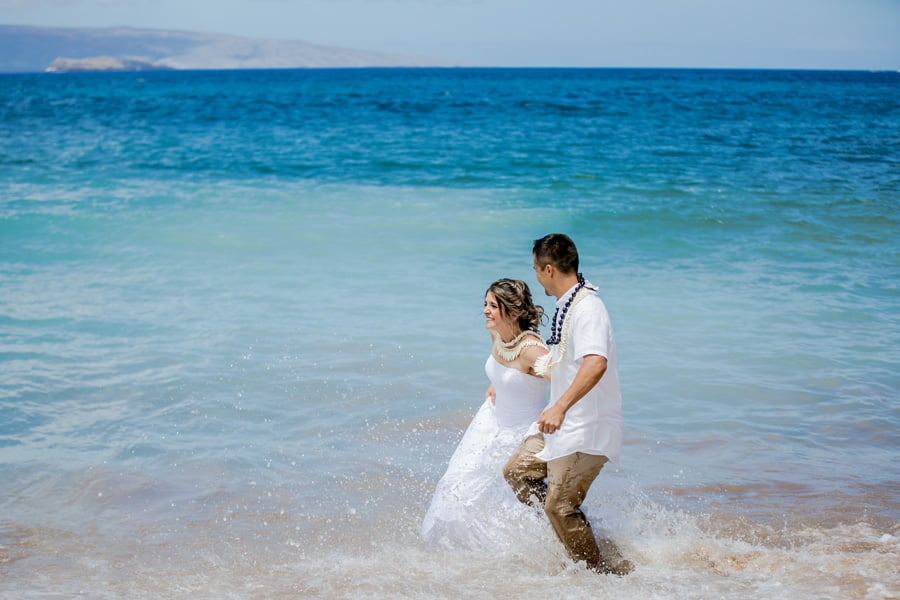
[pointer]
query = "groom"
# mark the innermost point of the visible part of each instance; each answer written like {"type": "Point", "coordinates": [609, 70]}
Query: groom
{"type": "Point", "coordinates": [581, 428]}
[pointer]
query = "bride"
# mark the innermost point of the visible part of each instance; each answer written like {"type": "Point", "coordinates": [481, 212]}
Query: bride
{"type": "Point", "coordinates": [473, 507]}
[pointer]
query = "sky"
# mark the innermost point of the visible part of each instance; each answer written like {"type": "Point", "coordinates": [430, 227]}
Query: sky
{"type": "Point", "coordinates": [813, 34]}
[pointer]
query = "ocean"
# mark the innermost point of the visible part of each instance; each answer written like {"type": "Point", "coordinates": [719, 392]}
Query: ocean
{"type": "Point", "coordinates": [241, 329]}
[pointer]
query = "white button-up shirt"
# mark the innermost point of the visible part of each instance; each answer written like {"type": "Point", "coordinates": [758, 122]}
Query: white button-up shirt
{"type": "Point", "coordinates": [593, 425]}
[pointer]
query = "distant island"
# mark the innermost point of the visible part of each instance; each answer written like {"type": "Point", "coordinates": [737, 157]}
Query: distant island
{"type": "Point", "coordinates": [26, 49]}
{"type": "Point", "coordinates": [101, 63]}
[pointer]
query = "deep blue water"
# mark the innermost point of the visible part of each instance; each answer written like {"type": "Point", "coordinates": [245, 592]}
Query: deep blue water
{"type": "Point", "coordinates": [240, 320]}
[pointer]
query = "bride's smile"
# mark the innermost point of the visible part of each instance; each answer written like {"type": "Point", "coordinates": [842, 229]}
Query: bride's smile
{"type": "Point", "coordinates": [494, 319]}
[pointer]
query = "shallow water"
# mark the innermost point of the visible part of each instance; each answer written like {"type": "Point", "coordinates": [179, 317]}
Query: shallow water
{"type": "Point", "coordinates": [240, 328]}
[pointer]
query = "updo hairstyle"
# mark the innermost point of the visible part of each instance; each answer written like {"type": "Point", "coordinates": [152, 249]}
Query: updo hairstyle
{"type": "Point", "coordinates": [514, 299]}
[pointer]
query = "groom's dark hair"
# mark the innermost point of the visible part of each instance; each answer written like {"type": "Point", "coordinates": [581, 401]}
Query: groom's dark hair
{"type": "Point", "coordinates": [557, 249]}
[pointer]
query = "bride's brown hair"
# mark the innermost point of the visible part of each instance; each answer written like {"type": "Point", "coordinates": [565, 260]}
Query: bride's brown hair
{"type": "Point", "coordinates": [514, 299]}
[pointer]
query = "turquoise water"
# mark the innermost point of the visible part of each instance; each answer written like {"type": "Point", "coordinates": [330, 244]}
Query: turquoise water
{"type": "Point", "coordinates": [241, 331]}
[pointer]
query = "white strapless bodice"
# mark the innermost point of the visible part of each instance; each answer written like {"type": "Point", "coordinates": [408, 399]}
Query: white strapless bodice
{"type": "Point", "coordinates": [520, 397]}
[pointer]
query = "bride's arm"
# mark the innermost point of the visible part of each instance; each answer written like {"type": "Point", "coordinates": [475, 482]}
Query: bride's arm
{"type": "Point", "coordinates": [490, 393]}
{"type": "Point", "coordinates": [530, 356]}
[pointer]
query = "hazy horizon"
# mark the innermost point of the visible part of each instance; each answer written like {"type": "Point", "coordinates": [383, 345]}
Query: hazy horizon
{"type": "Point", "coordinates": [787, 34]}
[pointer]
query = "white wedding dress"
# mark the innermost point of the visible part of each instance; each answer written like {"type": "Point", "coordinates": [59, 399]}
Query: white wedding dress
{"type": "Point", "coordinates": [473, 507]}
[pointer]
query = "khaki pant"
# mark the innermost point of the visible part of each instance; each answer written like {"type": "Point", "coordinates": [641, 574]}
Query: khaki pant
{"type": "Point", "coordinates": [567, 481]}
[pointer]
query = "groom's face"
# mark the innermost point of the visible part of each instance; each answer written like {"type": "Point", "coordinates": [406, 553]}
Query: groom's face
{"type": "Point", "coordinates": [540, 273]}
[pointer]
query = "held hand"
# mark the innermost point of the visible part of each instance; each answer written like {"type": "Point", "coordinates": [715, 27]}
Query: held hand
{"type": "Point", "coordinates": [551, 419]}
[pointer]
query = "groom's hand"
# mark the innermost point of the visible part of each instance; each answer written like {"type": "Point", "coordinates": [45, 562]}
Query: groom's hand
{"type": "Point", "coordinates": [551, 419]}
{"type": "Point", "coordinates": [592, 368]}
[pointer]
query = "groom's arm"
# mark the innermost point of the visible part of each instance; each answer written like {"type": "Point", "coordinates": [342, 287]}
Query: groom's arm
{"type": "Point", "coordinates": [592, 368]}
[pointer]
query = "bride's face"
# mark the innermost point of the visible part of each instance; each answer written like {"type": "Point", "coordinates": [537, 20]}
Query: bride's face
{"type": "Point", "coordinates": [495, 319]}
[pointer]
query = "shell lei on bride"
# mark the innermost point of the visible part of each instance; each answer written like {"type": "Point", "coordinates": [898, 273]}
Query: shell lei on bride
{"type": "Point", "coordinates": [510, 351]}
{"type": "Point", "coordinates": [543, 365]}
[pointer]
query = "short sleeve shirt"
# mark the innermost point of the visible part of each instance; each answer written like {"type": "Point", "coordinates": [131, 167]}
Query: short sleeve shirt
{"type": "Point", "coordinates": [593, 425]}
